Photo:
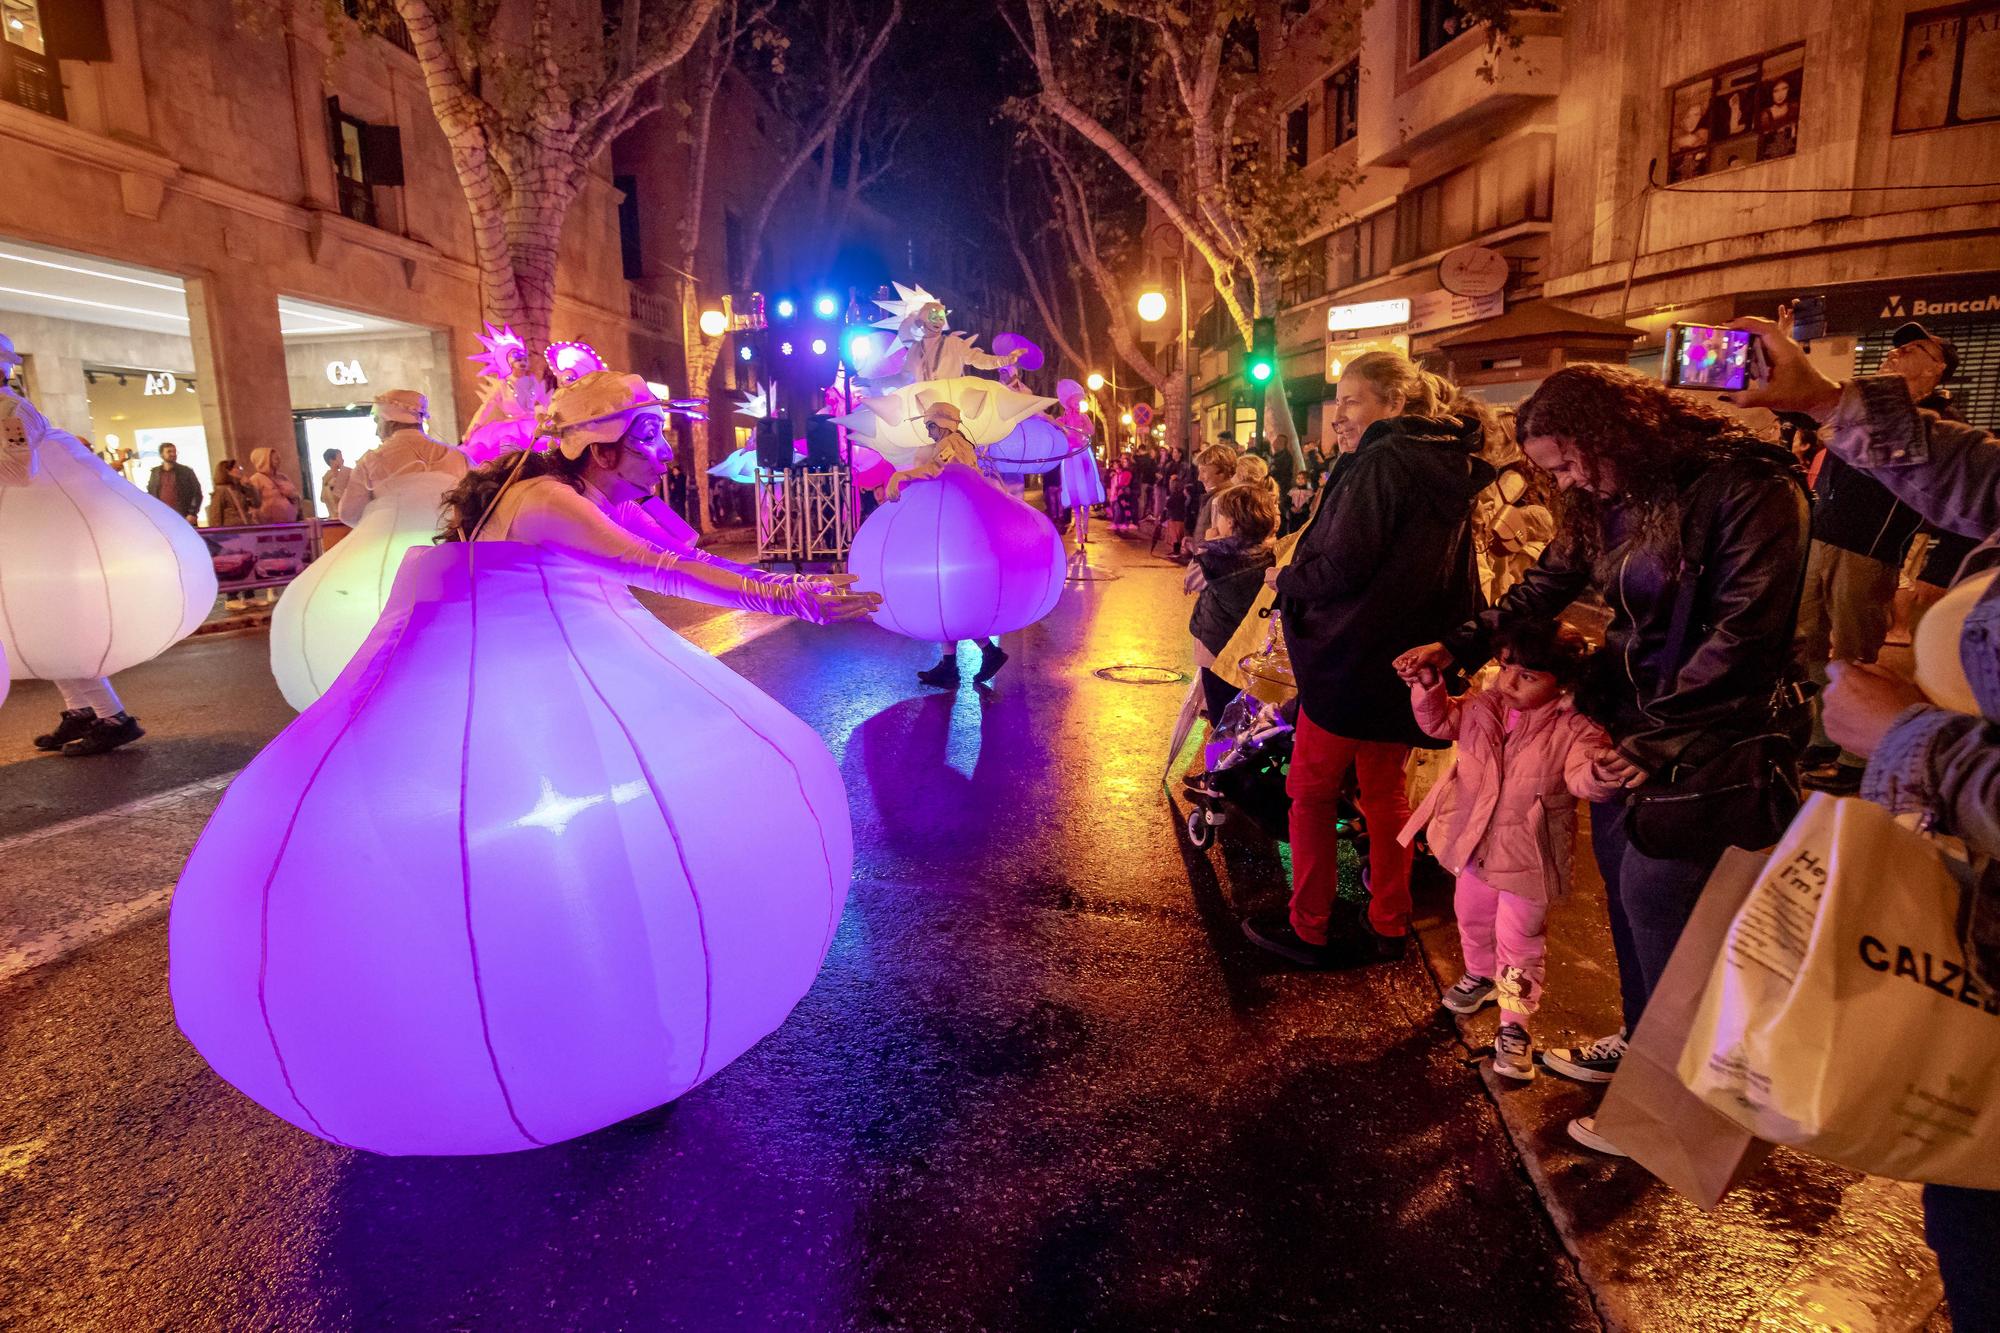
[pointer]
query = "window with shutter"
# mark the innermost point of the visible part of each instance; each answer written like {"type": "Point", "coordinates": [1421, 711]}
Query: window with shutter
{"type": "Point", "coordinates": [29, 76]}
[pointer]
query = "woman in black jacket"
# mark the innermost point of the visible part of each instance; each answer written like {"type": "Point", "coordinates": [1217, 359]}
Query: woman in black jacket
{"type": "Point", "coordinates": [1634, 462]}
{"type": "Point", "coordinates": [1385, 562]}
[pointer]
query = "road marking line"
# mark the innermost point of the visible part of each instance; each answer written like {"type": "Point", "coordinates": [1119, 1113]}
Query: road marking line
{"type": "Point", "coordinates": [66, 939]}
{"type": "Point", "coordinates": [171, 796]}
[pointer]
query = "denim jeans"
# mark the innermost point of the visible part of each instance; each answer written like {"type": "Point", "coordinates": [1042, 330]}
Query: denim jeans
{"type": "Point", "coordinates": [1650, 901]}
{"type": "Point", "coordinates": [1963, 1226]}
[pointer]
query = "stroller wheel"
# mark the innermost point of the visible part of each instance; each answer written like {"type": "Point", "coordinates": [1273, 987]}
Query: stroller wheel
{"type": "Point", "coordinates": [1200, 832]}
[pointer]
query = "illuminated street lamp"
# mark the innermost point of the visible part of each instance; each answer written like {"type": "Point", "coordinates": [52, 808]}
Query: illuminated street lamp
{"type": "Point", "coordinates": [714, 323]}
{"type": "Point", "coordinates": [1125, 419]}
{"type": "Point", "coordinates": [1152, 306]}
{"type": "Point", "coordinates": [1093, 381]}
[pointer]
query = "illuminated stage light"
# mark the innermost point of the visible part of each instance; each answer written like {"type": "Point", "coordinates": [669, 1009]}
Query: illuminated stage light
{"type": "Point", "coordinates": [744, 353]}
{"type": "Point", "coordinates": [786, 308]}
{"type": "Point", "coordinates": [785, 349]}
{"type": "Point", "coordinates": [819, 347]}
{"type": "Point", "coordinates": [827, 306]}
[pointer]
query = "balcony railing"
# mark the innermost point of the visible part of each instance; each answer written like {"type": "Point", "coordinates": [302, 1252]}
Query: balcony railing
{"type": "Point", "coordinates": [654, 311]}
{"type": "Point", "coordinates": [380, 18]}
{"type": "Point", "coordinates": [357, 200]}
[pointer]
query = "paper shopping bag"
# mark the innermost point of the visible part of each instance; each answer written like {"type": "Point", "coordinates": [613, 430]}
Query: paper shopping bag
{"type": "Point", "coordinates": [1840, 1017]}
{"type": "Point", "coordinates": [1648, 1111]}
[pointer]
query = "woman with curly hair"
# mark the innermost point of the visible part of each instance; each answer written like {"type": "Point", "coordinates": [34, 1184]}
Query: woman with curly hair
{"type": "Point", "coordinates": [1641, 470]}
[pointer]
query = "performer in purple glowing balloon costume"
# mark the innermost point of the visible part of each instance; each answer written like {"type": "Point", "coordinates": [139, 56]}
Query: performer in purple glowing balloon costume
{"type": "Point", "coordinates": [549, 919]}
{"type": "Point", "coordinates": [515, 394]}
{"type": "Point", "coordinates": [1082, 485]}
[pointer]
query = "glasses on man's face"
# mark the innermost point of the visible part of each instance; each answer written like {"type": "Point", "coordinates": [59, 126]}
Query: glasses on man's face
{"type": "Point", "coordinates": [1925, 350]}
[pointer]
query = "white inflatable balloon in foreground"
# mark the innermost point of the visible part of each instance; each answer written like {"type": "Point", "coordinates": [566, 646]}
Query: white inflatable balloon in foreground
{"type": "Point", "coordinates": [501, 886]}
{"type": "Point", "coordinates": [95, 574]}
{"type": "Point", "coordinates": [326, 612]}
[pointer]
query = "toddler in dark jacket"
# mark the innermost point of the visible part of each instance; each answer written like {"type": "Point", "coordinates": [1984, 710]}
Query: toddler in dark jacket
{"type": "Point", "coordinates": [1232, 560]}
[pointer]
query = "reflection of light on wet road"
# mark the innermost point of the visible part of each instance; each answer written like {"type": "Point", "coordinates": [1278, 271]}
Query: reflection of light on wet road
{"type": "Point", "coordinates": [961, 745]}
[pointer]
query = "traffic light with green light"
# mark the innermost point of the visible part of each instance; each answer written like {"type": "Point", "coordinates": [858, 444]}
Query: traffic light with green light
{"type": "Point", "coordinates": [1263, 362]}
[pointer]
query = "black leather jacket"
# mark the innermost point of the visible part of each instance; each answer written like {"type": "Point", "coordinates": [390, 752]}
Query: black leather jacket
{"type": "Point", "coordinates": [1661, 714]}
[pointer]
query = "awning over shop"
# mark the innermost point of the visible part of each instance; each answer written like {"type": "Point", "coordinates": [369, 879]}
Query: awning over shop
{"type": "Point", "coordinates": [1533, 340]}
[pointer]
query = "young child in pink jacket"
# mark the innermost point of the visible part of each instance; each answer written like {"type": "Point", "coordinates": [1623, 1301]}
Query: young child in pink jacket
{"type": "Point", "coordinates": [1504, 819]}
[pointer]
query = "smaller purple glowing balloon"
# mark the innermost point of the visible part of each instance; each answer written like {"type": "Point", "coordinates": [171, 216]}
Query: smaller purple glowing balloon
{"type": "Point", "coordinates": [1031, 355]}
{"type": "Point", "coordinates": [957, 558]}
{"type": "Point", "coordinates": [1037, 445]}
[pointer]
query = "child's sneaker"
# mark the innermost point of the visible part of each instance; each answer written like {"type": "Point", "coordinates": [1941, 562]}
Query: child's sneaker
{"type": "Point", "coordinates": [1514, 1053]}
{"type": "Point", "coordinates": [1595, 1063]}
{"type": "Point", "coordinates": [1469, 994]}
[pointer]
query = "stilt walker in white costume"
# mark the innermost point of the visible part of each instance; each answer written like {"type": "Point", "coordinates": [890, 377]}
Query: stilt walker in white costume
{"type": "Point", "coordinates": [391, 503]}
{"type": "Point", "coordinates": [95, 575]}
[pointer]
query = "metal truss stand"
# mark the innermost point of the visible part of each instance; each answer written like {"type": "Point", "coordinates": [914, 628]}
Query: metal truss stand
{"type": "Point", "coordinates": [804, 516]}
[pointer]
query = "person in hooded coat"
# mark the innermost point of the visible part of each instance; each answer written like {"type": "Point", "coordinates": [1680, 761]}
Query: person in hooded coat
{"type": "Point", "coordinates": [1385, 564]}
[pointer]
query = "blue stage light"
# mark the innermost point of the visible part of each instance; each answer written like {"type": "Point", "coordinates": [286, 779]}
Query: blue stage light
{"type": "Point", "coordinates": [828, 306]}
{"type": "Point", "coordinates": [786, 309]}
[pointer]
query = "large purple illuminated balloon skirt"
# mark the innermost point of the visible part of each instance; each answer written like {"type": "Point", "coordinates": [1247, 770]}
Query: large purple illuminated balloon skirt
{"type": "Point", "coordinates": [958, 558]}
{"type": "Point", "coordinates": [532, 865]}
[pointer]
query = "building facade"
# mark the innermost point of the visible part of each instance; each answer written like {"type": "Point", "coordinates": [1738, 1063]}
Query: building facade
{"type": "Point", "coordinates": [1823, 148]}
{"type": "Point", "coordinates": [229, 234]}
{"type": "Point", "coordinates": [1625, 167]}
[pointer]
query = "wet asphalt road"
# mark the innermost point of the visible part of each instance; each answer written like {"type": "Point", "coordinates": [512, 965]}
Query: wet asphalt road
{"type": "Point", "coordinates": [1042, 1082]}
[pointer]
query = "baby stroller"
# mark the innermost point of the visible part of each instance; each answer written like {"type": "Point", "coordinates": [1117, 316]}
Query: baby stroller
{"type": "Point", "coordinates": [1246, 760]}
{"type": "Point", "coordinates": [1247, 757]}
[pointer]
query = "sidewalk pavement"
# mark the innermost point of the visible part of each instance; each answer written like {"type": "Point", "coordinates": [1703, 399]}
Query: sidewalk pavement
{"type": "Point", "coordinates": [1804, 1245]}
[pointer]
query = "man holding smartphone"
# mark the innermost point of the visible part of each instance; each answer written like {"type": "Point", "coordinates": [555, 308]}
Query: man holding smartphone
{"type": "Point", "coordinates": [1861, 534]}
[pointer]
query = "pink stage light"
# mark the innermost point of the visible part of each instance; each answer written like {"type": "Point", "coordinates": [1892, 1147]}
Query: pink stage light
{"type": "Point", "coordinates": [957, 558]}
{"type": "Point", "coordinates": [494, 889]}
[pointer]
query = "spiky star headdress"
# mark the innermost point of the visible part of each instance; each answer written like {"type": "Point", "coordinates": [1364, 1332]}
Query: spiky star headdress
{"type": "Point", "coordinates": [757, 406]}
{"type": "Point", "coordinates": [502, 345]}
{"type": "Point", "coordinates": [909, 301]}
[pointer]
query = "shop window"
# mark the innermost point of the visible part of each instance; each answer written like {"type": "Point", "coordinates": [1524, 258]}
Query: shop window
{"type": "Point", "coordinates": [1731, 117]}
{"type": "Point", "coordinates": [628, 226]}
{"type": "Point", "coordinates": [1343, 104]}
{"type": "Point", "coordinates": [1298, 124]}
{"type": "Point", "coordinates": [1439, 24]}
{"type": "Point", "coordinates": [365, 157]}
{"type": "Point", "coordinates": [1950, 72]}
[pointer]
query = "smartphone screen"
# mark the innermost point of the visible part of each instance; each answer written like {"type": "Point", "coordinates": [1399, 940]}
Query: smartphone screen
{"type": "Point", "coordinates": [1705, 356]}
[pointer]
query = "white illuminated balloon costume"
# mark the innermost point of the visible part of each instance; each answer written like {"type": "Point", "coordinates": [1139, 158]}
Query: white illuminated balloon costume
{"type": "Point", "coordinates": [95, 574]}
{"type": "Point", "coordinates": [958, 558]}
{"type": "Point", "coordinates": [498, 887]}
{"type": "Point", "coordinates": [391, 505]}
